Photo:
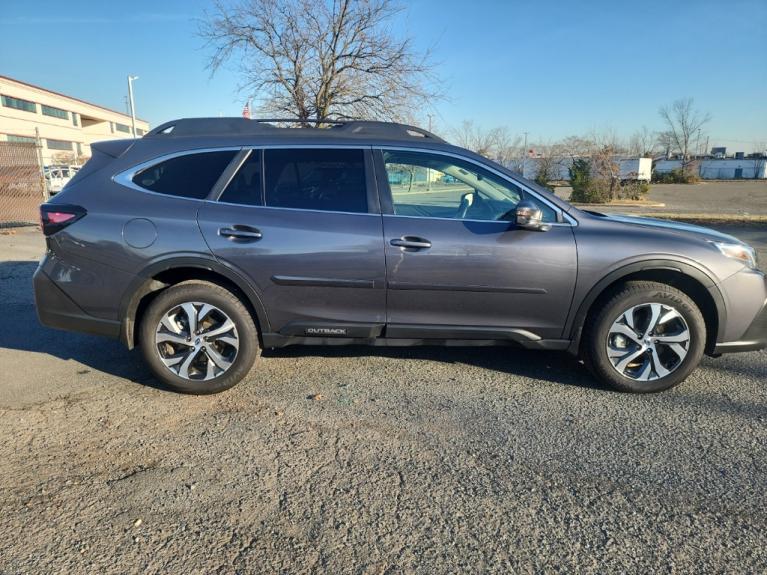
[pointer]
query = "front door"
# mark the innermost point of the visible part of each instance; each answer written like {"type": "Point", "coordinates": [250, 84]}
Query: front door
{"type": "Point", "coordinates": [457, 266]}
{"type": "Point", "coordinates": [304, 226]}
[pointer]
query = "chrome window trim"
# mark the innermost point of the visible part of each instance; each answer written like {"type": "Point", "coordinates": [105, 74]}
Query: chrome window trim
{"type": "Point", "coordinates": [570, 221]}
{"type": "Point", "coordinates": [507, 222]}
{"type": "Point", "coordinates": [217, 202]}
{"type": "Point", "coordinates": [125, 178]}
{"type": "Point", "coordinates": [362, 148]}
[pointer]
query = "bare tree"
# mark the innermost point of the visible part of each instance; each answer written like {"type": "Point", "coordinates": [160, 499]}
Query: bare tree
{"type": "Point", "coordinates": [682, 124]}
{"type": "Point", "coordinates": [643, 143]}
{"type": "Point", "coordinates": [507, 148]}
{"type": "Point", "coordinates": [497, 144]}
{"type": "Point", "coordinates": [321, 59]}
{"type": "Point", "coordinates": [470, 136]}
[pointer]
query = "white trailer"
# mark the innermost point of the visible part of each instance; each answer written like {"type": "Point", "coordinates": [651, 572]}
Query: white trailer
{"type": "Point", "coordinates": [636, 169]}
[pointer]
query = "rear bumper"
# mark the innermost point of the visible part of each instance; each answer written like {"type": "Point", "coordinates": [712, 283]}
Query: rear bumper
{"type": "Point", "coordinates": [55, 309]}
{"type": "Point", "coordinates": [753, 339]}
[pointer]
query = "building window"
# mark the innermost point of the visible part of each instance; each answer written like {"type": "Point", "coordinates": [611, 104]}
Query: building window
{"type": "Point", "coordinates": [75, 119]}
{"type": "Point", "coordinates": [79, 148]}
{"type": "Point", "coordinates": [19, 104]}
{"type": "Point", "coordinates": [122, 128]}
{"type": "Point", "coordinates": [20, 139]}
{"type": "Point", "coordinates": [140, 132]}
{"type": "Point", "coordinates": [112, 127]}
{"type": "Point", "coordinates": [58, 145]}
{"type": "Point", "coordinates": [55, 112]}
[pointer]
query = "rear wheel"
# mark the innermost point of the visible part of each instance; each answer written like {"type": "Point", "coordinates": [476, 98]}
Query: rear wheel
{"type": "Point", "coordinates": [646, 337]}
{"type": "Point", "coordinates": [198, 337]}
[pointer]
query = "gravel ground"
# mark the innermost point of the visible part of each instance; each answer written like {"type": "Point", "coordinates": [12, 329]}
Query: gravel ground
{"type": "Point", "coordinates": [408, 460]}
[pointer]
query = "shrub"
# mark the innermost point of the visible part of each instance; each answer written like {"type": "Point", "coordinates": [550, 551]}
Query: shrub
{"type": "Point", "coordinates": [591, 189]}
{"type": "Point", "coordinates": [633, 189]}
{"type": "Point", "coordinates": [587, 189]}
{"type": "Point", "coordinates": [542, 180]}
{"type": "Point", "coordinates": [678, 176]}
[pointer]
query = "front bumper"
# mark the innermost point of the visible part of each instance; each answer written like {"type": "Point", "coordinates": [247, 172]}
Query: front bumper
{"type": "Point", "coordinates": [56, 309]}
{"type": "Point", "coordinates": [753, 339]}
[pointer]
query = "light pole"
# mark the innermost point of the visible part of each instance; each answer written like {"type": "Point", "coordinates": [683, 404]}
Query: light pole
{"type": "Point", "coordinates": [132, 105]}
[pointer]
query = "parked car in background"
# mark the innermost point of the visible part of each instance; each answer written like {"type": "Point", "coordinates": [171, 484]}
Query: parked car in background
{"type": "Point", "coordinates": [209, 238]}
{"type": "Point", "coordinates": [56, 177]}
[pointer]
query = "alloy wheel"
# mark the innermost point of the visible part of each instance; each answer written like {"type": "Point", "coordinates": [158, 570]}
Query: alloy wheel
{"type": "Point", "coordinates": [197, 341]}
{"type": "Point", "coordinates": [648, 341]}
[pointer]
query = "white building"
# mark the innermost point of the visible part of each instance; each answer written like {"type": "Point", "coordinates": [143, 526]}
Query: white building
{"type": "Point", "coordinates": [721, 169]}
{"type": "Point", "coordinates": [64, 125]}
{"type": "Point", "coordinates": [630, 168]}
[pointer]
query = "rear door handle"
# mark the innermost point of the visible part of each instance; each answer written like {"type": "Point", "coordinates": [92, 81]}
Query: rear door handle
{"type": "Point", "coordinates": [411, 242]}
{"type": "Point", "coordinates": [240, 233]}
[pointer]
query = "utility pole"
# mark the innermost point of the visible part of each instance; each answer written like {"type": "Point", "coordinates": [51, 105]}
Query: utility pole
{"type": "Point", "coordinates": [524, 157]}
{"type": "Point", "coordinates": [697, 144]}
{"type": "Point", "coordinates": [428, 170]}
{"type": "Point", "coordinates": [132, 104]}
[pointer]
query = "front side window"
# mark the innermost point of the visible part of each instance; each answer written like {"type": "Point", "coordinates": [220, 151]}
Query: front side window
{"type": "Point", "coordinates": [190, 176]}
{"type": "Point", "coordinates": [316, 179]}
{"type": "Point", "coordinates": [432, 185]}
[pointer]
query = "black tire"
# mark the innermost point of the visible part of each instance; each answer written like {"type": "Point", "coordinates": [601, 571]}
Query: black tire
{"type": "Point", "coordinates": [224, 300]}
{"type": "Point", "coordinates": [596, 332]}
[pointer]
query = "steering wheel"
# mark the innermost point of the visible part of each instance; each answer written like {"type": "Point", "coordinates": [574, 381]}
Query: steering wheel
{"type": "Point", "coordinates": [467, 200]}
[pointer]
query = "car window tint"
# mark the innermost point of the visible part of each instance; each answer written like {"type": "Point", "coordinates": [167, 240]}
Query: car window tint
{"type": "Point", "coordinates": [437, 186]}
{"type": "Point", "coordinates": [191, 175]}
{"type": "Point", "coordinates": [315, 179]}
{"type": "Point", "coordinates": [245, 187]}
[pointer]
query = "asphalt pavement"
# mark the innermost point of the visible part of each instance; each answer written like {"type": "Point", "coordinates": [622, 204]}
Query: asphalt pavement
{"type": "Point", "coordinates": [357, 460]}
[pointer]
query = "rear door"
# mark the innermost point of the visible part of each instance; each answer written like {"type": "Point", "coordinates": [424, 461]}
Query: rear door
{"type": "Point", "coordinates": [304, 225]}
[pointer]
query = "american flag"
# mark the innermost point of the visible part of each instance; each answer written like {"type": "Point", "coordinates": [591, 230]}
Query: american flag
{"type": "Point", "coordinates": [246, 111]}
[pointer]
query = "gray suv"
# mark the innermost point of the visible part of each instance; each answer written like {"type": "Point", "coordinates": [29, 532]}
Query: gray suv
{"type": "Point", "coordinates": [210, 237]}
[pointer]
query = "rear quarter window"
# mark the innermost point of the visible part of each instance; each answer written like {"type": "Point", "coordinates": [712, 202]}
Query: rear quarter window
{"type": "Point", "coordinates": [190, 176]}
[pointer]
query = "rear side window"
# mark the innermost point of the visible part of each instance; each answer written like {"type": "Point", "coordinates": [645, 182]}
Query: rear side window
{"type": "Point", "coordinates": [315, 179]}
{"type": "Point", "coordinates": [189, 176]}
{"type": "Point", "coordinates": [245, 187]}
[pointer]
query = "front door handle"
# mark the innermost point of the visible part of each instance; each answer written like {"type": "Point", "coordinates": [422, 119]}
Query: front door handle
{"type": "Point", "coordinates": [240, 233]}
{"type": "Point", "coordinates": [412, 242]}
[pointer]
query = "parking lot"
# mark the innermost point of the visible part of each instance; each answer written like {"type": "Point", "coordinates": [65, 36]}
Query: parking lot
{"type": "Point", "coordinates": [359, 460]}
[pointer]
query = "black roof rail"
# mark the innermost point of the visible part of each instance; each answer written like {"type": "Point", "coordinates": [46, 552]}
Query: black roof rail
{"type": "Point", "coordinates": [245, 126]}
{"type": "Point", "coordinates": [387, 129]}
{"type": "Point", "coordinates": [208, 126]}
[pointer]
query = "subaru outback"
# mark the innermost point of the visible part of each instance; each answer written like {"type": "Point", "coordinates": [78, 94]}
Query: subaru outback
{"type": "Point", "coordinates": [210, 238]}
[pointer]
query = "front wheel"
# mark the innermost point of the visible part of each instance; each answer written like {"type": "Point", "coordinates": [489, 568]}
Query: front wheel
{"type": "Point", "coordinates": [646, 337]}
{"type": "Point", "coordinates": [198, 337]}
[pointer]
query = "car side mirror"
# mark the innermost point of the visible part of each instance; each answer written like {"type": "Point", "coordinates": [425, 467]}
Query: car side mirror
{"type": "Point", "coordinates": [530, 217]}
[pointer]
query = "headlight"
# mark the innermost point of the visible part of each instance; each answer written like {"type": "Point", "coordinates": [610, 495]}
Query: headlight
{"type": "Point", "coordinates": [741, 252]}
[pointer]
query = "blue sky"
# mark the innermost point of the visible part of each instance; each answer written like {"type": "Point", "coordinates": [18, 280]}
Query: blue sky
{"type": "Point", "coordinates": [550, 68]}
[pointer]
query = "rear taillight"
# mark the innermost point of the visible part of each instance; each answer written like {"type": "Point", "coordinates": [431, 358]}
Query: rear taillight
{"type": "Point", "coordinates": [55, 217]}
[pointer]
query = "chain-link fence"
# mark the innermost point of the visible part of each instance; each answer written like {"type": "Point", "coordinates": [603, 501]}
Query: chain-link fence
{"type": "Point", "coordinates": [22, 185]}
